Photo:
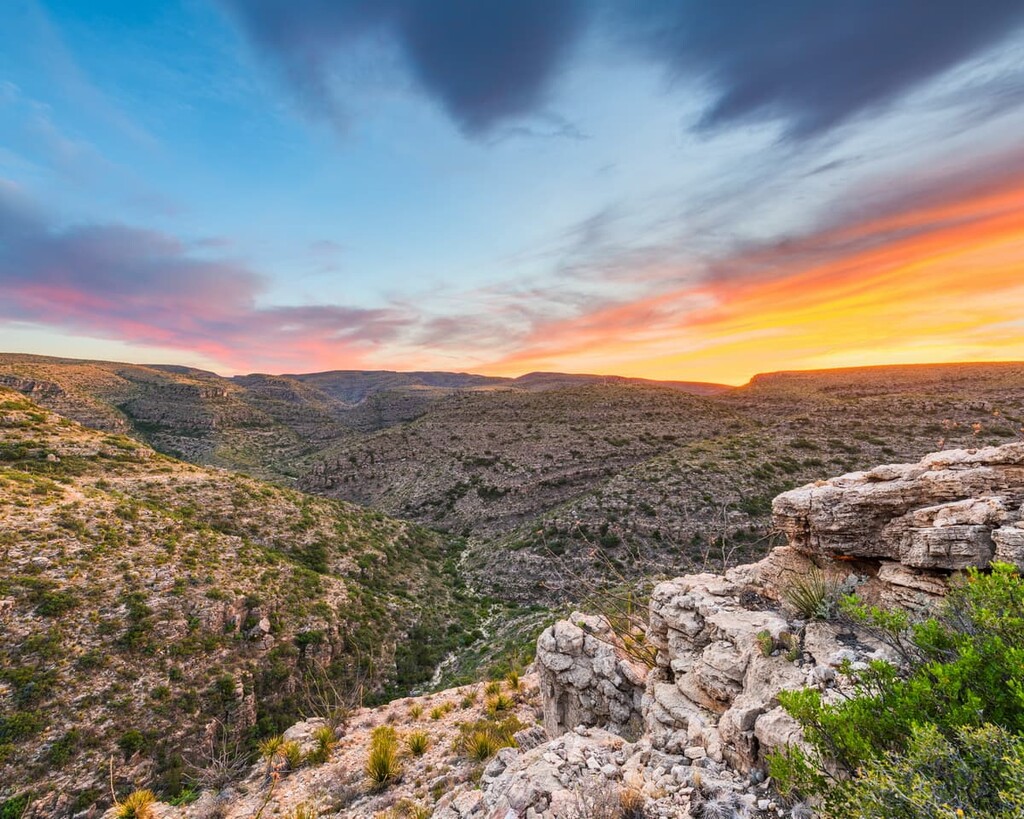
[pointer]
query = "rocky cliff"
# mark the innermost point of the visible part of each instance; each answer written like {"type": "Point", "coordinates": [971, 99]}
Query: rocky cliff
{"type": "Point", "coordinates": [728, 644]}
{"type": "Point", "coordinates": [688, 733]}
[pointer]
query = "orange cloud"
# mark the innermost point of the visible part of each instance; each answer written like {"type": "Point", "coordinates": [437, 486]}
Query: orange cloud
{"type": "Point", "coordinates": [943, 281]}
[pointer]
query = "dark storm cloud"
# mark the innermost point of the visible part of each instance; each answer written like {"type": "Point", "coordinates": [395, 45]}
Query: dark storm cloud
{"type": "Point", "coordinates": [484, 62]}
{"type": "Point", "coordinates": [809, 63]}
{"type": "Point", "coordinates": [812, 63]}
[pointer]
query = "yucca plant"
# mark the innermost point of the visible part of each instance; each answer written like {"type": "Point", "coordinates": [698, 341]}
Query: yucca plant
{"type": "Point", "coordinates": [813, 595]}
{"type": "Point", "coordinates": [499, 703]}
{"type": "Point", "coordinates": [137, 805]}
{"type": "Point", "coordinates": [291, 753]}
{"type": "Point", "coordinates": [383, 766]}
{"type": "Point", "coordinates": [481, 745]}
{"type": "Point", "coordinates": [514, 681]}
{"type": "Point", "coordinates": [325, 741]}
{"type": "Point", "coordinates": [417, 742]}
{"type": "Point", "coordinates": [270, 747]}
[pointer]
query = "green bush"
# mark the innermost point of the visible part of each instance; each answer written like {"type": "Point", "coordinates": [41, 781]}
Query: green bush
{"type": "Point", "coordinates": [948, 721]}
{"type": "Point", "coordinates": [131, 742]}
{"type": "Point", "coordinates": [977, 772]}
{"type": "Point", "coordinates": [15, 807]}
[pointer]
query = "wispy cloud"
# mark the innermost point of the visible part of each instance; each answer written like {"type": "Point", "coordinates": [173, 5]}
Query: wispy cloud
{"type": "Point", "coordinates": [147, 287]}
{"type": "Point", "coordinates": [933, 276]}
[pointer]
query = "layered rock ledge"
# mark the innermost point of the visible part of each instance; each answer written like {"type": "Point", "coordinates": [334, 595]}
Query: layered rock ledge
{"type": "Point", "coordinates": [728, 644]}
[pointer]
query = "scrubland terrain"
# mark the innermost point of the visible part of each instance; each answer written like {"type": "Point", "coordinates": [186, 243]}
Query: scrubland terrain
{"type": "Point", "coordinates": [145, 603]}
{"type": "Point", "coordinates": [149, 604]}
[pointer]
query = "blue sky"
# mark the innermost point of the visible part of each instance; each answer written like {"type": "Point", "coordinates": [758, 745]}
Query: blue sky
{"type": "Point", "coordinates": [259, 185]}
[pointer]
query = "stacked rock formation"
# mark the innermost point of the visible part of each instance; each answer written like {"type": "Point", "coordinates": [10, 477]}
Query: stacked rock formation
{"type": "Point", "coordinates": [727, 644]}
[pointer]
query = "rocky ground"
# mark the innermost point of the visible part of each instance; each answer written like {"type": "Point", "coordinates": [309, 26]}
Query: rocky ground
{"type": "Point", "coordinates": [679, 724]}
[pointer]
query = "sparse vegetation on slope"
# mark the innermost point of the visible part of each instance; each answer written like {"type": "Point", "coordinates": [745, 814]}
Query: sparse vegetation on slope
{"type": "Point", "coordinates": [152, 610]}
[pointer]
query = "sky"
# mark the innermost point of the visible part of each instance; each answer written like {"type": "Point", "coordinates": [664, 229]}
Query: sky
{"type": "Point", "coordinates": [670, 189]}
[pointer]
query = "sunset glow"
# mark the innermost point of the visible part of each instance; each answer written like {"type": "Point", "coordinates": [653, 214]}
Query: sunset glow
{"type": "Point", "coordinates": [206, 184]}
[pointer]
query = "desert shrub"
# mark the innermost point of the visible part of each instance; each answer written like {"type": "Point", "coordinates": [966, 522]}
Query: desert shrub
{"type": "Point", "coordinates": [956, 699]}
{"type": "Point", "coordinates": [976, 772]}
{"type": "Point", "coordinates": [499, 703]}
{"type": "Point", "coordinates": [492, 688]}
{"type": "Point", "coordinates": [325, 741]}
{"type": "Point", "coordinates": [482, 739]}
{"type": "Point", "coordinates": [137, 805]}
{"type": "Point", "coordinates": [416, 711]}
{"type": "Point", "coordinates": [813, 596]}
{"type": "Point", "coordinates": [417, 742]}
{"type": "Point", "coordinates": [131, 742]}
{"type": "Point", "coordinates": [15, 807]}
{"type": "Point", "coordinates": [291, 753]}
{"type": "Point", "coordinates": [383, 766]}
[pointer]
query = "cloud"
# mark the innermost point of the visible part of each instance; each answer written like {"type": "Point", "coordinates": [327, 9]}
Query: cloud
{"type": "Point", "coordinates": [485, 63]}
{"type": "Point", "coordinates": [142, 286]}
{"type": "Point", "coordinates": [808, 63]}
{"type": "Point", "coordinates": [930, 275]}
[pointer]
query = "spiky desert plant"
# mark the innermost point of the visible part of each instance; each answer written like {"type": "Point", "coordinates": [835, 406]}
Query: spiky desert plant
{"type": "Point", "coordinates": [291, 753]}
{"type": "Point", "coordinates": [417, 742]}
{"type": "Point", "coordinates": [137, 805]}
{"type": "Point", "coordinates": [416, 711]}
{"type": "Point", "coordinates": [492, 688]}
{"type": "Point", "coordinates": [813, 595]}
{"type": "Point", "coordinates": [325, 741]}
{"type": "Point", "coordinates": [499, 703]}
{"type": "Point", "coordinates": [303, 811]}
{"type": "Point", "coordinates": [514, 681]}
{"type": "Point", "coordinates": [481, 745]}
{"type": "Point", "coordinates": [383, 766]}
{"type": "Point", "coordinates": [270, 747]}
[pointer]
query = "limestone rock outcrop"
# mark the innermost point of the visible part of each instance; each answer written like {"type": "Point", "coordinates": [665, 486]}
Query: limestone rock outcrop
{"type": "Point", "coordinates": [727, 645]}
{"type": "Point", "coordinates": [949, 511]}
{"type": "Point", "coordinates": [586, 678]}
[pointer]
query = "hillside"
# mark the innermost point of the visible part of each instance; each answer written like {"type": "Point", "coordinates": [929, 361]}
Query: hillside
{"type": "Point", "coordinates": [625, 481]}
{"type": "Point", "coordinates": [548, 475]}
{"type": "Point", "coordinates": [147, 604]}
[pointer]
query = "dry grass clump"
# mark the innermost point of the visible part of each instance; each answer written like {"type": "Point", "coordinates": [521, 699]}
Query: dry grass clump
{"type": "Point", "coordinates": [137, 805]}
{"type": "Point", "coordinates": [417, 742]}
